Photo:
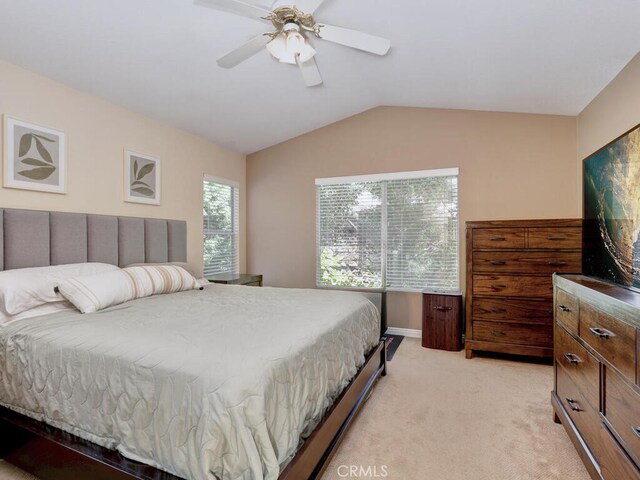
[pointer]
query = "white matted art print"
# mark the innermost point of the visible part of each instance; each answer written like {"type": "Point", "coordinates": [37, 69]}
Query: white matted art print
{"type": "Point", "coordinates": [34, 157]}
{"type": "Point", "coordinates": [141, 178]}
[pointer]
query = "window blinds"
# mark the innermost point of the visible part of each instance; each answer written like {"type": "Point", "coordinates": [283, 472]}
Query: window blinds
{"type": "Point", "coordinates": [386, 230]}
{"type": "Point", "coordinates": [349, 235]}
{"type": "Point", "coordinates": [422, 233]}
{"type": "Point", "coordinates": [221, 226]}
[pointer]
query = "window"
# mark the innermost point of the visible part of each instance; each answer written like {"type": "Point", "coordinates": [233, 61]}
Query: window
{"type": "Point", "coordinates": [398, 231]}
{"type": "Point", "coordinates": [221, 226]}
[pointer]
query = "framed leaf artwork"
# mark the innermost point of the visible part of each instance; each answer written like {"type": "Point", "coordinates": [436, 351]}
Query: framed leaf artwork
{"type": "Point", "coordinates": [34, 157]}
{"type": "Point", "coordinates": [141, 178]}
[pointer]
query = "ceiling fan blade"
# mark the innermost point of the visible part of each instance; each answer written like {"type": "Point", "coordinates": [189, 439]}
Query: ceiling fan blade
{"type": "Point", "coordinates": [310, 72]}
{"type": "Point", "coordinates": [308, 6]}
{"type": "Point", "coordinates": [236, 6]}
{"type": "Point", "coordinates": [355, 39]}
{"type": "Point", "coordinates": [249, 49]}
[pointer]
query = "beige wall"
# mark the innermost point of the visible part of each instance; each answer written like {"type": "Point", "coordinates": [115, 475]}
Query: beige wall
{"type": "Point", "coordinates": [97, 134]}
{"type": "Point", "coordinates": [511, 166]}
{"type": "Point", "coordinates": [614, 111]}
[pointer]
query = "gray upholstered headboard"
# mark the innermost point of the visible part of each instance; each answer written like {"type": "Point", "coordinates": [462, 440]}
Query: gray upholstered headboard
{"type": "Point", "coordinates": [30, 238]}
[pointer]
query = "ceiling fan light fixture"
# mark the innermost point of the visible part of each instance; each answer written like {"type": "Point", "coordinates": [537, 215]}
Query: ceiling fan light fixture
{"type": "Point", "coordinates": [307, 54]}
{"type": "Point", "coordinates": [278, 49]}
{"type": "Point", "coordinates": [295, 42]}
{"type": "Point", "coordinates": [300, 46]}
{"type": "Point", "coordinates": [290, 44]}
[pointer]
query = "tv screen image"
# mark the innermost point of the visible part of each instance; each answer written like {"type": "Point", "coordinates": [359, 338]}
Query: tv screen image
{"type": "Point", "coordinates": [612, 211]}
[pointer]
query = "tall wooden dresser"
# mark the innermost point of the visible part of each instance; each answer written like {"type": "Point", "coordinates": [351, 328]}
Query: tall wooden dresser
{"type": "Point", "coordinates": [509, 299]}
{"type": "Point", "coordinates": [597, 380]}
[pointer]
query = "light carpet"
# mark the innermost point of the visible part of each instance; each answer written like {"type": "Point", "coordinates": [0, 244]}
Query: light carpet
{"type": "Point", "coordinates": [9, 472]}
{"type": "Point", "coordinates": [438, 416]}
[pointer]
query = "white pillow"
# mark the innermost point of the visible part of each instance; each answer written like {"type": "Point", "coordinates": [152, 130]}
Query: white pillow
{"type": "Point", "coordinates": [38, 311]}
{"type": "Point", "coordinates": [25, 288]}
{"type": "Point", "coordinates": [96, 292]}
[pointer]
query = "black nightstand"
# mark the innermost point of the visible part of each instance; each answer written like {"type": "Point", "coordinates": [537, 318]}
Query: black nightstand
{"type": "Point", "coordinates": [247, 279]}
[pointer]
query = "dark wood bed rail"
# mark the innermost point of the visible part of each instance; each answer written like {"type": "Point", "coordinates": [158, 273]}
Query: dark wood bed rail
{"type": "Point", "coordinates": [52, 454]}
{"type": "Point", "coordinates": [316, 453]}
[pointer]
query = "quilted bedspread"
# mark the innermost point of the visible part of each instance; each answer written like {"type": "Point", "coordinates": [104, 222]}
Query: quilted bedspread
{"type": "Point", "coordinates": [215, 384]}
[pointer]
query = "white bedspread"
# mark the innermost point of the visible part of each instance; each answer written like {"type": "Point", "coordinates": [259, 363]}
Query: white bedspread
{"type": "Point", "coordinates": [220, 383]}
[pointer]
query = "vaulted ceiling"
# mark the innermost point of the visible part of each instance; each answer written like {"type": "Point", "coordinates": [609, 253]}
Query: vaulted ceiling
{"type": "Point", "coordinates": [158, 57]}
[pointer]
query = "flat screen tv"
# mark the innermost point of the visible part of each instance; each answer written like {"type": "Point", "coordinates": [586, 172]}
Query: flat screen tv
{"type": "Point", "coordinates": [612, 211]}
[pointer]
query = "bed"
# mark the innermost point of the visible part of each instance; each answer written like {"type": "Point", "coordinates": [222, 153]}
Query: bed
{"type": "Point", "coordinates": [227, 382]}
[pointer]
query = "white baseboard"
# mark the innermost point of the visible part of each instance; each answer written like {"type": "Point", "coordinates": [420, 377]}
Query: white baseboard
{"type": "Point", "coordinates": [406, 332]}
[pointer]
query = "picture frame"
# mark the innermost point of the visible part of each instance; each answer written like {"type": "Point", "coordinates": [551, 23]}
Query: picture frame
{"type": "Point", "coordinates": [142, 180]}
{"type": "Point", "coordinates": [34, 157]}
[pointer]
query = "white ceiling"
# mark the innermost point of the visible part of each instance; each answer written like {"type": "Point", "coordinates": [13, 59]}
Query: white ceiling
{"type": "Point", "coordinates": [158, 57]}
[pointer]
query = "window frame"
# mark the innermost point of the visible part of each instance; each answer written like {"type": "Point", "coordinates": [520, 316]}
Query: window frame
{"type": "Point", "coordinates": [383, 178]}
{"type": "Point", "coordinates": [235, 218]}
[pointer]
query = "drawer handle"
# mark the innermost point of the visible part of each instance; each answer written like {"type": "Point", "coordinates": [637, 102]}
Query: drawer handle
{"type": "Point", "coordinates": [572, 358]}
{"type": "Point", "coordinates": [556, 239]}
{"type": "Point", "coordinates": [497, 262]}
{"type": "Point", "coordinates": [573, 405]}
{"type": "Point", "coordinates": [601, 333]}
{"type": "Point", "coordinates": [559, 263]}
{"type": "Point", "coordinates": [636, 430]}
{"type": "Point", "coordinates": [564, 308]}
{"type": "Point", "coordinates": [495, 286]}
{"type": "Point", "coordinates": [442, 309]}
{"type": "Point", "coordinates": [498, 239]}
{"type": "Point", "coordinates": [498, 310]}
{"type": "Point", "coordinates": [497, 333]}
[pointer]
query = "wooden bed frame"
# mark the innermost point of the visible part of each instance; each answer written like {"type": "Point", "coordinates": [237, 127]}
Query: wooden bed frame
{"type": "Point", "coordinates": [51, 454]}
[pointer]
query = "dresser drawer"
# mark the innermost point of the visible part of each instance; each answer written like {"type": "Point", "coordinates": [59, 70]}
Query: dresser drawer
{"type": "Point", "coordinates": [513, 310]}
{"type": "Point", "coordinates": [527, 262]}
{"type": "Point", "coordinates": [611, 338]}
{"type": "Point", "coordinates": [514, 333]}
{"type": "Point", "coordinates": [614, 463]}
{"type": "Point", "coordinates": [580, 365]}
{"type": "Point", "coordinates": [555, 238]}
{"type": "Point", "coordinates": [622, 409]}
{"type": "Point", "coordinates": [585, 418]}
{"type": "Point", "coordinates": [499, 238]}
{"type": "Point", "coordinates": [513, 285]}
{"type": "Point", "coordinates": [567, 310]}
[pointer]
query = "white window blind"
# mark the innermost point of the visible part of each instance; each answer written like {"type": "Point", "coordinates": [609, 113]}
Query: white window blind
{"type": "Point", "coordinates": [349, 235]}
{"type": "Point", "coordinates": [220, 209]}
{"type": "Point", "coordinates": [398, 230]}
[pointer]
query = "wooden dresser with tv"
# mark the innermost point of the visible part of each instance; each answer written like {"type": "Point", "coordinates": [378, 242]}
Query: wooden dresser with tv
{"type": "Point", "coordinates": [597, 394]}
{"type": "Point", "coordinates": [509, 300]}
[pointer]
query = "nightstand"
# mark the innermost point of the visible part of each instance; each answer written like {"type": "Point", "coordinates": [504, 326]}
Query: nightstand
{"type": "Point", "coordinates": [248, 279]}
{"type": "Point", "coordinates": [442, 320]}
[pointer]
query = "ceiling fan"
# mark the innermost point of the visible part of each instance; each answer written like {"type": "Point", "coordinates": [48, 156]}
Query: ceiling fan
{"type": "Point", "coordinates": [293, 21]}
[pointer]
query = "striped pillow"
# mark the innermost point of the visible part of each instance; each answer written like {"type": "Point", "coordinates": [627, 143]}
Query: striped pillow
{"type": "Point", "coordinates": [158, 279]}
{"type": "Point", "coordinates": [96, 292]}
